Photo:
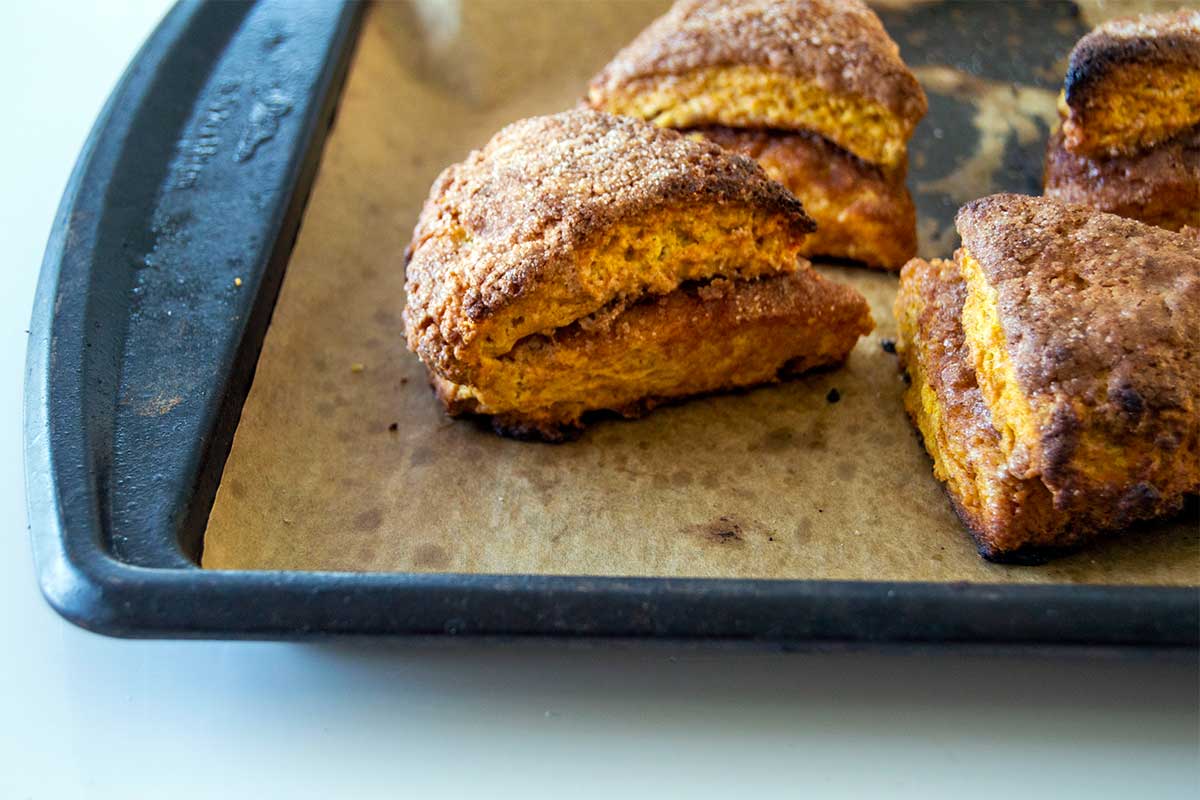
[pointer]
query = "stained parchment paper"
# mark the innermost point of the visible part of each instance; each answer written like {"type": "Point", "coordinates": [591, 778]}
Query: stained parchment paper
{"type": "Point", "coordinates": [344, 461]}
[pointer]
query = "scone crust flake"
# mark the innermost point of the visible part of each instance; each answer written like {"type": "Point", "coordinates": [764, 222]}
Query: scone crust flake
{"type": "Point", "coordinates": [504, 236]}
{"type": "Point", "coordinates": [1083, 327]}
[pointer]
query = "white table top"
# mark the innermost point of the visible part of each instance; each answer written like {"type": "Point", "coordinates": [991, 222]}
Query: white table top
{"type": "Point", "coordinates": [86, 716]}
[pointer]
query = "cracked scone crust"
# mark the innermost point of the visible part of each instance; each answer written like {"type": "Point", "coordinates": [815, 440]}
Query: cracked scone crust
{"type": "Point", "coordinates": [558, 216]}
{"type": "Point", "coordinates": [695, 340]}
{"type": "Point", "coordinates": [1083, 330]}
{"type": "Point", "coordinates": [1010, 518]}
{"type": "Point", "coordinates": [822, 65]}
{"type": "Point", "coordinates": [1160, 186]}
{"type": "Point", "coordinates": [862, 212]}
{"type": "Point", "coordinates": [1132, 83]}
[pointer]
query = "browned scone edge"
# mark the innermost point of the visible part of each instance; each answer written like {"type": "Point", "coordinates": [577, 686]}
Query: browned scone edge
{"type": "Point", "coordinates": [1160, 186]}
{"type": "Point", "coordinates": [862, 212]}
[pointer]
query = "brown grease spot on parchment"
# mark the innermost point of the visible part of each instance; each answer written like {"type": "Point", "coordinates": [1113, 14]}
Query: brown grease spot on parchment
{"type": "Point", "coordinates": [777, 440]}
{"type": "Point", "coordinates": [814, 435]}
{"type": "Point", "coordinates": [369, 520]}
{"type": "Point", "coordinates": [723, 531]}
{"type": "Point", "coordinates": [429, 556]}
{"type": "Point", "coordinates": [421, 456]}
{"type": "Point", "coordinates": [386, 318]}
{"type": "Point", "coordinates": [802, 531]}
{"type": "Point", "coordinates": [542, 481]}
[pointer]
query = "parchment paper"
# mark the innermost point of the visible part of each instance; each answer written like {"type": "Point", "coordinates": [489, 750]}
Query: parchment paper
{"type": "Point", "coordinates": [772, 483]}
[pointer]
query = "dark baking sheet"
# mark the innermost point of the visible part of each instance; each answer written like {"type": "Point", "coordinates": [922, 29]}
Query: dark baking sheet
{"type": "Point", "coordinates": [336, 469]}
{"type": "Point", "coordinates": [144, 345]}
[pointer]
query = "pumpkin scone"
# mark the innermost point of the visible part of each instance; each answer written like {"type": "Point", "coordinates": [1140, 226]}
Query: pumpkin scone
{"type": "Point", "coordinates": [1080, 335]}
{"type": "Point", "coordinates": [814, 90]}
{"type": "Point", "coordinates": [583, 262]}
{"type": "Point", "coordinates": [1132, 84]}
{"type": "Point", "coordinates": [862, 213]}
{"type": "Point", "coordinates": [1010, 518]}
{"type": "Point", "coordinates": [1160, 186]}
{"type": "Point", "coordinates": [825, 66]}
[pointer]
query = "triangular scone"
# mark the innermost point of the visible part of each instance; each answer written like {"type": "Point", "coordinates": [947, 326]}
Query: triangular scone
{"type": "Point", "coordinates": [863, 212]}
{"type": "Point", "coordinates": [581, 261]}
{"type": "Point", "coordinates": [559, 216]}
{"type": "Point", "coordinates": [1055, 373]}
{"type": "Point", "coordinates": [1159, 186]}
{"type": "Point", "coordinates": [825, 66]}
{"type": "Point", "coordinates": [1083, 328]}
{"type": "Point", "coordinates": [1010, 518]}
{"type": "Point", "coordinates": [1132, 83]}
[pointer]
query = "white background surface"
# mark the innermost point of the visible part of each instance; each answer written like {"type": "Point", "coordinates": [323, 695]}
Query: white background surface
{"type": "Point", "coordinates": [85, 716]}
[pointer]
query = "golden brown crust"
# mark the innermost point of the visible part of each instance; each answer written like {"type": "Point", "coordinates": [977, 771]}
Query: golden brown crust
{"type": "Point", "coordinates": [507, 226]}
{"type": "Point", "coordinates": [1005, 514]}
{"type": "Point", "coordinates": [826, 66]}
{"type": "Point", "coordinates": [1160, 186]}
{"type": "Point", "coordinates": [841, 44]}
{"type": "Point", "coordinates": [1099, 321]}
{"type": "Point", "coordinates": [1148, 56]}
{"type": "Point", "coordinates": [862, 212]}
{"type": "Point", "coordinates": [696, 340]}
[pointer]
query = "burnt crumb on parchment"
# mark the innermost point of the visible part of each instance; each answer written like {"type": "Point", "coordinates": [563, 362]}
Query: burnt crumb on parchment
{"type": "Point", "coordinates": [833, 396]}
{"type": "Point", "coordinates": [395, 426]}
